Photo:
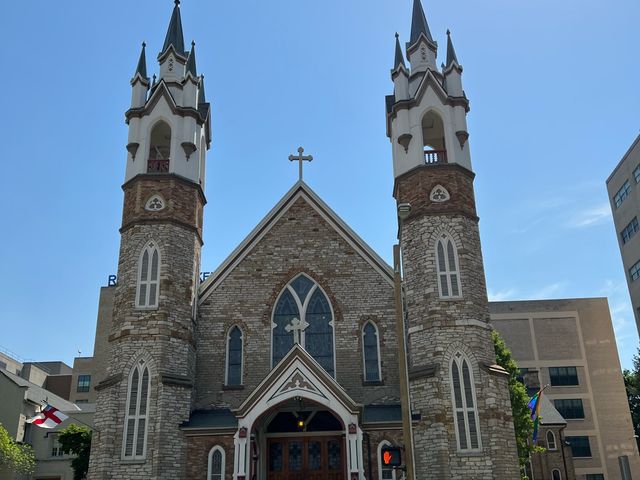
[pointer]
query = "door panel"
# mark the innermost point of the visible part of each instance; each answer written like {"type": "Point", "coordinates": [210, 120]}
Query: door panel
{"type": "Point", "coordinates": [307, 458]}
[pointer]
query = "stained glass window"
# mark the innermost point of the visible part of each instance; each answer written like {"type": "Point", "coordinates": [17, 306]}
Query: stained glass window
{"type": "Point", "coordinates": [371, 353]}
{"type": "Point", "coordinates": [216, 463]}
{"type": "Point", "coordinates": [465, 417]}
{"type": "Point", "coordinates": [447, 266]}
{"type": "Point", "coordinates": [234, 357]}
{"type": "Point", "coordinates": [303, 314]}
{"type": "Point", "coordinates": [135, 434]}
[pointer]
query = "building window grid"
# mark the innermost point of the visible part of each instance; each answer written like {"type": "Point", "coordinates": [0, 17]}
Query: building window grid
{"type": "Point", "coordinates": [634, 271]}
{"type": "Point", "coordinates": [56, 448]}
{"type": "Point", "coordinates": [623, 193]}
{"type": "Point", "coordinates": [636, 174]}
{"type": "Point", "coordinates": [563, 376]}
{"type": "Point", "coordinates": [594, 476]}
{"type": "Point", "coordinates": [84, 383]}
{"type": "Point", "coordinates": [630, 230]}
{"type": "Point", "coordinates": [570, 408]}
{"type": "Point", "coordinates": [580, 446]}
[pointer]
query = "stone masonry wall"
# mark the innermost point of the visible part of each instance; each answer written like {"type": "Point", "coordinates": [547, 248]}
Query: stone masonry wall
{"type": "Point", "coordinates": [438, 328]}
{"type": "Point", "coordinates": [301, 241]}
{"type": "Point", "coordinates": [162, 337]}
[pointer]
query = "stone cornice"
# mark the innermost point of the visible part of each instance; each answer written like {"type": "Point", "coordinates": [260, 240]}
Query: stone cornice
{"type": "Point", "coordinates": [162, 91]}
{"type": "Point", "coordinates": [424, 371]}
{"type": "Point", "coordinates": [109, 382]}
{"type": "Point", "coordinates": [168, 378]}
{"type": "Point", "coordinates": [153, 221]}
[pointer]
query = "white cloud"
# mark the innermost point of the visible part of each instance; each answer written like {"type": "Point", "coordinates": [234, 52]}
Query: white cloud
{"type": "Point", "coordinates": [590, 217]}
{"type": "Point", "coordinates": [501, 295]}
{"type": "Point", "coordinates": [548, 291]}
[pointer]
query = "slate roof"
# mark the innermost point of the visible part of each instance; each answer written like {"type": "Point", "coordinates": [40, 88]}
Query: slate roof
{"type": "Point", "coordinates": [37, 394]}
{"type": "Point", "coordinates": [419, 23]}
{"type": "Point", "coordinates": [175, 36]}
{"type": "Point", "coordinates": [219, 418]}
{"type": "Point", "coordinates": [451, 52]}
{"type": "Point", "coordinates": [399, 60]}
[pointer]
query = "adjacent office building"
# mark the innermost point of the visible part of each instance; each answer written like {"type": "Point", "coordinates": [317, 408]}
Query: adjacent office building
{"type": "Point", "coordinates": [624, 196]}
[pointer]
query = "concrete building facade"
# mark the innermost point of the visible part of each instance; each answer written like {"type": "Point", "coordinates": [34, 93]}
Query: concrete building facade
{"type": "Point", "coordinates": [624, 196]}
{"type": "Point", "coordinates": [571, 345]}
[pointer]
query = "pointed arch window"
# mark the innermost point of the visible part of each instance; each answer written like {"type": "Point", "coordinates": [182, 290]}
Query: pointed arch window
{"type": "Point", "coordinates": [464, 404]}
{"type": "Point", "coordinates": [215, 470]}
{"type": "Point", "coordinates": [448, 268]}
{"type": "Point", "coordinates": [384, 471]}
{"type": "Point", "coordinates": [371, 352]}
{"type": "Point", "coordinates": [159, 148]}
{"type": "Point", "coordinates": [148, 288]}
{"type": "Point", "coordinates": [234, 357]}
{"type": "Point", "coordinates": [551, 441]}
{"type": "Point", "coordinates": [135, 424]}
{"type": "Point", "coordinates": [303, 315]}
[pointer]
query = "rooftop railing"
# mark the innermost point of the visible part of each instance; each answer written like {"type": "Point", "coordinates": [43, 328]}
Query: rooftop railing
{"type": "Point", "coordinates": [435, 156]}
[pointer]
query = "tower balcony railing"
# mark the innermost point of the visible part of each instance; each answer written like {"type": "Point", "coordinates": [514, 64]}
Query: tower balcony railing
{"type": "Point", "coordinates": [432, 157]}
{"type": "Point", "coordinates": [158, 165]}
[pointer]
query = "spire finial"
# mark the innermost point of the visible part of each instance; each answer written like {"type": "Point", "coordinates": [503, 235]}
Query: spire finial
{"type": "Point", "coordinates": [419, 23]}
{"type": "Point", "coordinates": [399, 60]}
{"type": "Point", "coordinates": [451, 52]}
{"type": "Point", "coordinates": [142, 63]}
{"type": "Point", "coordinates": [191, 60]}
{"type": "Point", "coordinates": [174, 32]}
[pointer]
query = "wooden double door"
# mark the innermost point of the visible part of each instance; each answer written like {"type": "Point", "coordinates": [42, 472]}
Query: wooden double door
{"type": "Point", "coordinates": [306, 458]}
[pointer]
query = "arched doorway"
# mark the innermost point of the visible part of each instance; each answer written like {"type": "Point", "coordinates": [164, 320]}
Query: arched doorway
{"type": "Point", "coordinates": [299, 440]}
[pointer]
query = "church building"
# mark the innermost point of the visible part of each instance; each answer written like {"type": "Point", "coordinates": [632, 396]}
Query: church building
{"type": "Point", "coordinates": [304, 355]}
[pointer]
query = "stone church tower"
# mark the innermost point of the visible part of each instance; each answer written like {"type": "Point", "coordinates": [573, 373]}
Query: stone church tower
{"type": "Point", "coordinates": [465, 428]}
{"type": "Point", "coordinates": [138, 413]}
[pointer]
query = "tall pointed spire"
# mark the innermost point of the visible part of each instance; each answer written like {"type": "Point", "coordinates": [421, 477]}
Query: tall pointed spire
{"type": "Point", "coordinates": [399, 60]}
{"type": "Point", "coordinates": [451, 52]}
{"type": "Point", "coordinates": [174, 32]}
{"type": "Point", "coordinates": [191, 61]}
{"type": "Point", "coordinates": [201, 96]}
{"type": "Point", "coordinates": [419, 23]}
{"type": "Point", "coordinates": [142, 63]}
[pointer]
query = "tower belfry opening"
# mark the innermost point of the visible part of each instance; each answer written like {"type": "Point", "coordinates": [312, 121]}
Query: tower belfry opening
{"type": "Point", "coordinates": [433, 138]}
{"type": "Point", "coordinates": [160, 148]}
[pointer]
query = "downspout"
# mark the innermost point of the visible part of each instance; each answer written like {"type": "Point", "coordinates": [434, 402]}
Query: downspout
{"type": "Point", "coordinates": [564, 459]}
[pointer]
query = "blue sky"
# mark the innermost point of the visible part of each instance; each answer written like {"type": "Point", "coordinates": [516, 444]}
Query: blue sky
{"type": "Point", "coordinates": [554, 99]}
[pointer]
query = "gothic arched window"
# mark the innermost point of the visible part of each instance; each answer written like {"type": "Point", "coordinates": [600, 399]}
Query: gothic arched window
{"type": "Point", "coordinates": [137, 412]}
{"type": "Point", "coordinates": [234, 356]}
{"type": "Point", "coordinates": [384, 472]}
{"type": "Point", "coordinates": [303, 315]}
{"type": "Point", "coordinates": [215, 470]}
{"type": "Point", "coordinates": [464, 404]}
{"type": "Point", "coordinates": [148, 287]}
{"type": "Point", "coordinates": [371, 352]}
{"type": "Point", "coordinates": [551, 441]}
{"type": "Point", "coordinates": [159, 148]}
{"type": "Point", "coordinates": [556, 475]}
{"type": "Point", "coordinates": [448, 271]}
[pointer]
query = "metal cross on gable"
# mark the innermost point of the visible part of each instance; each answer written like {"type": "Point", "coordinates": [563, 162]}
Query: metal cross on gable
{"type": "Point", "coordinates": [300, 158]}
{"type": "Point", "coordinates": [297, 326]}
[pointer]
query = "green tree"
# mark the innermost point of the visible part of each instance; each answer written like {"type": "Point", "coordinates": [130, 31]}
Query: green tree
{"type": "Point", "coordinates": [632, 385]}
{"type": "Point", "coordinates": [76, 439]}
{"type": "Point", "coordinates": [519, 402]}
{"type": "Point", "coordinates": [17, 457]}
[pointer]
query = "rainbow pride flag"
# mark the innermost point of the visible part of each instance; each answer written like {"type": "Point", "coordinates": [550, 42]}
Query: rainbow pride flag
{"type": "Point", "coordinates": [534, 405]}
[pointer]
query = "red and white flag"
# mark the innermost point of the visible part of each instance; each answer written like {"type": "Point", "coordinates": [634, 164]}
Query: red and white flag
{"type": "Point", "coordinates": [49, 417]}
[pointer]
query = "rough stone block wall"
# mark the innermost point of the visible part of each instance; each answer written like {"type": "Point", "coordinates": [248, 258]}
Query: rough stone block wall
{"type": "Point", "coordinates": [300, 241]}
{"type": "Point", "coordinates": [198, 449]}
{"type": "Point", "coordinates": [438, 328]}
{"type": "Point", "coordinates": [162, 337]}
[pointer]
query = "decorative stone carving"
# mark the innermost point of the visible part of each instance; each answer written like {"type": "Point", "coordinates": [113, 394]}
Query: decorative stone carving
{"type": "Point", "coordinates": [132, 148]}
{"type": "Point", "coordinates": [189, 148]}
{"type": "Point", "coordinates": [462, 137]}
{"type": "Point", "coordinates": [405, 140]}
{"type": "Point", "coordinates": [155, 204]}
{"type": "Point", "coordinates": [439, 194]}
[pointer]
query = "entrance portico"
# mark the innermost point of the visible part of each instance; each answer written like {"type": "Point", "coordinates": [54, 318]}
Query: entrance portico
{"type": "Point", "coordinates": [298, 421]}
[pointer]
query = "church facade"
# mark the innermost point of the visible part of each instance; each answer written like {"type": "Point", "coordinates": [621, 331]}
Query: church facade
{"type": "Point", "coordinates": [289, 361]}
